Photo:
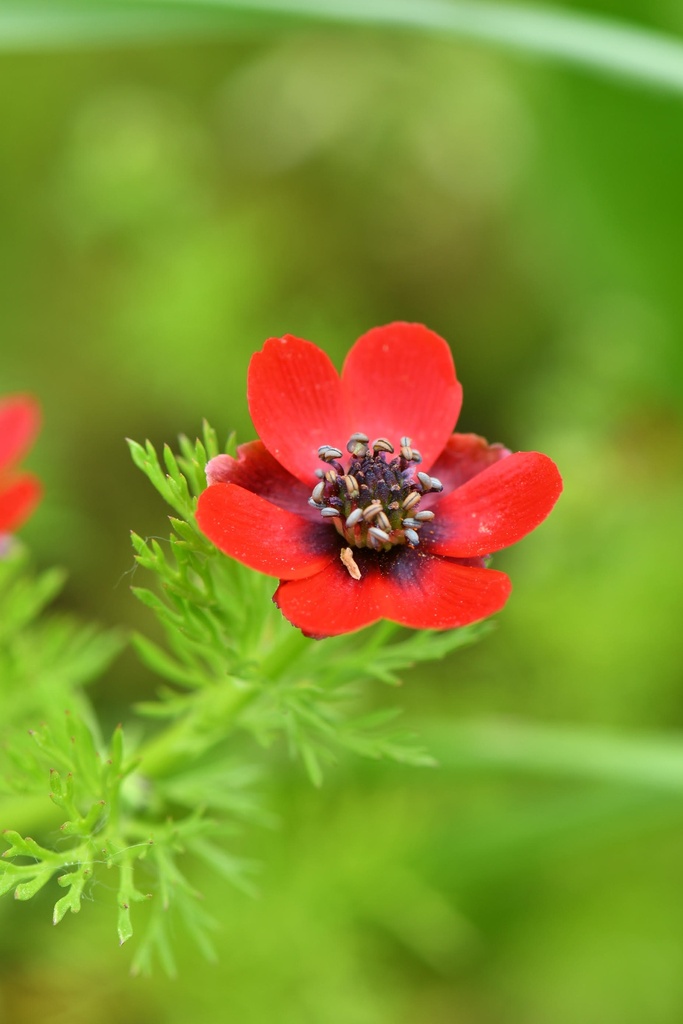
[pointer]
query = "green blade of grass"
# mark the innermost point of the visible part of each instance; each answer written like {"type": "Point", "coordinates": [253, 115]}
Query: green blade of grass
{"type": "Point", "coordinates": [560, 751]}
{"type": "Point", "coordinates": [603, 44]}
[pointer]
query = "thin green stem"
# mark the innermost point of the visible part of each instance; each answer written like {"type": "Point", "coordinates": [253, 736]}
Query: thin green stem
{"type": "Point", "coordinates": [211, 716]}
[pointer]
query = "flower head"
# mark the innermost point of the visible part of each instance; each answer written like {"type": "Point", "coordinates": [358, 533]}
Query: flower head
{"type": "Point", "coordinates": [19, 492]}
{"type": "Point", "coordinates": [360, 499]}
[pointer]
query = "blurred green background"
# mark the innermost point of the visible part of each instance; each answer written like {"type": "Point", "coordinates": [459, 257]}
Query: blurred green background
{"type": "Point", "coordinates": [165, 208]}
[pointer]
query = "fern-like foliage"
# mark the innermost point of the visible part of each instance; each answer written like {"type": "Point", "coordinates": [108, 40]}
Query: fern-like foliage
{"type": "Point", "coordinates": [133, 819]}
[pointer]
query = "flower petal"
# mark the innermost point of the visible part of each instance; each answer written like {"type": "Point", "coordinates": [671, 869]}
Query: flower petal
{"type": "Point", "coordinates": [405, 586]}
{"type": "Point", "coordinates": [400, 380]}
{"type": "Point", "coordinates": [495, 508]}
{"type": "Point", "coordinates": [257, 471]}
{"type": "Point", "coordinates": [296, 404]}
{"type": "Point", "coordinates": [17, 501]}
{"type": "Point", "coordinates": [19, 423]}
{"type": "Point", "coordinates": [464, 456]}
{"type": "Point", "coordinates": [263, 536]}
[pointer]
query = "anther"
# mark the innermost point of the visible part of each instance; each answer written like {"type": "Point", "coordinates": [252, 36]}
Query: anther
{"type": "Point", "coordinates": [378, 534]}
{"type": "Point", "coordinates": [412, 523]}
{"type": "Point", "coordinates": [318, 491]}
{"type": "Point", "coordinates": [320, 473]}
{"type": "Point", "coordinates": [331, 476]}
{"type": "Point", "coordinates": [424, 517]}
{"type": "Point", "coordinates": [412, 537]}
{"type": "Point", "coordinates": [382, 521]}
{"type": "Point", "coordinates": [382, 445]}
{"type": "Point", "coordinates": [417, 456]}
{"type": "Point", "coordinates": [411, 501]}
{"type": "Point", "coordinates": [354, 518]}
{"type": "Point", "coordinates": [346, 555]}
{"type": "Point", "coordinates": [357, 445]}
{"type": "Point", "coordinates": [330, 513]}
{"type": "Point", "coordinates": [371, 511]}
{"type": "Point", "coordinates": [436, 484]}
{"type": "Point", "coordinates": [351, 485]}
{"type": "Point", "coordinates": [327, 453]}
{"type": "Point", "coordinates": [426, 481]}
{"type": "Point", "coordinates": [406, 450]}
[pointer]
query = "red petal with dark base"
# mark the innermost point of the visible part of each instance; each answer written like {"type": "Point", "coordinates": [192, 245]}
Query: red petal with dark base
{"type": "Point", "coordinates": [257, 471]}
{"type": "Point", "coordinates": [464, 456]}
{"type": "Point", "coordinates": [408, 587]}
{"type": "Point", "coordinates": [17, 502]}
{"type": "Point", "coordinates": [263, 536]}
{"type": "Point", "coordinates": [295, 400]}
{"type": "Point", "coordinates": [19, 423]}
{"type": "Point", "coordinates": [496, 508]}
{"type": "Point", "coordinates": [400, 380]}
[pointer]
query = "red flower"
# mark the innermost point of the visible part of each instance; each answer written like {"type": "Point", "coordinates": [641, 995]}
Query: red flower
{"type": "Point", "coordinates": [379, 530]}
{"type": "Point", "coordinates": [19, 492]}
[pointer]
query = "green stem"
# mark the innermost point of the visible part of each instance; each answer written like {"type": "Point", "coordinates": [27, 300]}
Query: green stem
{"type": "Point", "coordinates": [210, 717]}
{"type": "Point", "coordinates": [283, 654]}
{"type": "Point", "coordinates": [212, 711]}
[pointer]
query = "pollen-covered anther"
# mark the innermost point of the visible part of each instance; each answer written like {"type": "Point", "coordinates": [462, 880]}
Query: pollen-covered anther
{"type": "Point", "coordinates": [406, 449]}
{"type": "Point", "coordinates": [328, 453]}
{"type": "Point", "coordinates": [357, 445]}
{"type": "Point", "coordinates": [382, 520]}
{"type": "Point", "coordinates": [382, 445]}
{"type": "Point", "coordinates": [371, 510]}
{"type": "Point", "coordinates": [411, 501]}
{"type": "Point", "coordinates": [351, 485]}
{"type": "Point", "coordinates": [346, 555]}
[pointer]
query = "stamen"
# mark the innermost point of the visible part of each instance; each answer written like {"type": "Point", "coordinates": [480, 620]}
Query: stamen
{"type": "Point", "coordinates": [318, 491]}
{"type": "Point", "coordinates": [371, 511]}
{"type": "Point", "coordinates": [382, 521]}
{"type": "Point", "coordinates": [426, 481]}
{"type": "Point", "coordinates": [411, 501]}
{"type": "Point", "coordinates": [382, 445]}
{"type": "Point", "coordinates": [424, 517]}
{"type": "Point", "coordinates": [412, 537]}
{"type": "Point", "coordinates": [346, 555]}
{"type": "Point", "coordinates": [436, 484]}
{"type": "Point", "coordinates": [330, 513]}
{"type": "Point", "coordinates": [351, 485]}
{"type": "Point", "coordinates": [357, 445]}
{"type": "Point", "coordinates": [327, 453]}
{"type": "Point", "coordinates": [354, 518]}
{"type": "Point", "coordinates": [406, 450]}
{"type": "Point", "coordinates": [378, 534]}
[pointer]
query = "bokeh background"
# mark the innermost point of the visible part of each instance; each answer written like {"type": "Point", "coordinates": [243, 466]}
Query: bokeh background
{"type": "Point", "coordinates": [164, 209]}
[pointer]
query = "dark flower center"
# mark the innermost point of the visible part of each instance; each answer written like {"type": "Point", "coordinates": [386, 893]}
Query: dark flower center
{"type": "Point", "coordinates": [374, 502]}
